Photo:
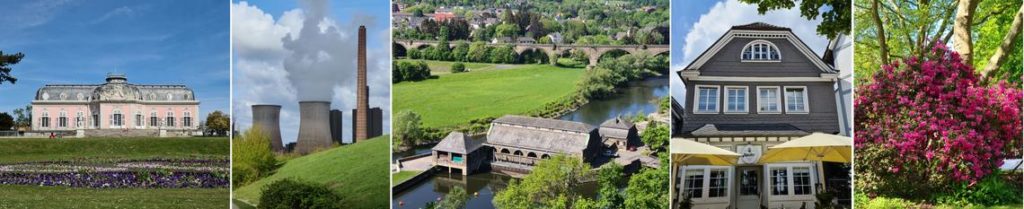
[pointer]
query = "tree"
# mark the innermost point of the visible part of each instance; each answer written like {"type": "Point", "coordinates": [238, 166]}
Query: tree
{"type": "Point", "coordinates": [647, 189]}
{"type": "Point", "coordinates": [6, 121]}
{"type": "Point", "coordinates": [456, 199]}
{"type": "Point", "coordinates": [835, 21]}
{"type": "Point", "coordinates": [1006, 47]}
{"type": "Point", "coordinates": [552, 182]}
{"type": "Point", "coordinates": [407, 130]}
{"type": "Point", "coordinates": [962, 42]}
{"type": "Point", "coordinates": [218, 123]}
{"type": "Point", "coordinates": [460, 51]}
{"type": "Point", "coordinates": [24, 117]}
{"type": "Point", "coordinates": [656, 136]}
{"type": "Point", "coordinates": [506, 30]}
{"type": "Point", "coordinates": [478, 52]}
{"type": "Point", "coordinates": [6, 60]}
{"type": "Point", "coordinates": [609, 178]}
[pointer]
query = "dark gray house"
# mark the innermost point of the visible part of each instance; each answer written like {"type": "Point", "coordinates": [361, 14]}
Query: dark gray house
{"type": "Point", "coordinates": [757, 86]}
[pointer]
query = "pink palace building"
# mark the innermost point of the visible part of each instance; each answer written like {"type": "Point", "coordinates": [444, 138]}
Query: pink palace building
{"type": "Point", "coordinates": [115, 108]}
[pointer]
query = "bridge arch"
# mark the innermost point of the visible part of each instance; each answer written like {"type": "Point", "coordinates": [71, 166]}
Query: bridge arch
{"type": "Point", "coordinates": [398, 50]}
{"type": "Point", "coordinates": [534, 55]}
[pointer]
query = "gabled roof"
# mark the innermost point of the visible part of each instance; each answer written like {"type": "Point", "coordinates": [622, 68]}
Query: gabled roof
{"type": "Point", "coordinates": [540, 134]}
{"type": "Point", "coordinates": [759, 26]}
{"type": "Point", "coordinates": [758, 30]}
{"type": "Point", "coordinates": [458, 142]}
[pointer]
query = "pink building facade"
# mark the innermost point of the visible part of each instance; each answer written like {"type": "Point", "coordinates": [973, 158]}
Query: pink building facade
{"type": "Point", "coordinates": [115, 105]}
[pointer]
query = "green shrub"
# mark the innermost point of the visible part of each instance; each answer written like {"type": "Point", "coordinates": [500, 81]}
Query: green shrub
{"type": "Point", "coordinates": [458, 67]}
{"type": "Point", "coordinates": [252, 149]}
{"type": "Point", "coordinates": [288, 193]}
{"type": "Point", "coordinates": [990, 191]}
{"type": "Point", "coordinates": [242, 174]}
{"type": "Point", "coordinates": [888, 203]}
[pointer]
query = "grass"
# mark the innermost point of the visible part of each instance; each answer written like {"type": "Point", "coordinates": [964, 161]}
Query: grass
{"type": "Point", "coordinates": [358, 172]}
{"type": "Point", "coordinates": [20, 196]}
{"type": "Point", "coordinates": [402, 176]}
{"type": "Point", "coordinates": [444, 67]}
{"type": "Point", "coordinates": [458, 98]}
{"type": "Point", "coordinates": [29, 150]}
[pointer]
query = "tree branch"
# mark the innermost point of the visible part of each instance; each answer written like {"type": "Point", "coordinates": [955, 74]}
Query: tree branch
{"type": "Point", "coordinates": [999, 56]}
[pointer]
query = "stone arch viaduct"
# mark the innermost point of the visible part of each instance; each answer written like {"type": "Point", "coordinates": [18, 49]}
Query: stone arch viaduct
{"type": "Point", "coordinates": [594, 52]}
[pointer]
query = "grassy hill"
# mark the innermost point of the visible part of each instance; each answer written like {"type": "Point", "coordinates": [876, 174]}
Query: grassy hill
{"type": "Point", "coordinates": [28, 150]}
{"type": "Point", "coordinates": [455, 99]}
{"type": "Point", "coordinates": [358, 172]}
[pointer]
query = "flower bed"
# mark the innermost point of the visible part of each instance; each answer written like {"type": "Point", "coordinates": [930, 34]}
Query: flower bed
{"type": "Point", "coordinates": [153, 173]}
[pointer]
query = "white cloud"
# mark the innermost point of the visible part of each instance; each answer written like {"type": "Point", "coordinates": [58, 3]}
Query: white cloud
{"type": "Point", "coordinates": [120, 11]}
{"type": "Point", "coordinates": [322, 60]}
{"type": "Point", "coordinates": [723, 15]}
{"type": "Point", "coordinates": [30, 14]}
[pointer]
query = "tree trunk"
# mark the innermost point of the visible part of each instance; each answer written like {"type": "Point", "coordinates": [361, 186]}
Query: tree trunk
{"type": "Point", "coordinates": [999, 56]}
{"type": "Point", "coordinates": [883, 48]}
{"type": "Point", "coordinates": [962, 42]}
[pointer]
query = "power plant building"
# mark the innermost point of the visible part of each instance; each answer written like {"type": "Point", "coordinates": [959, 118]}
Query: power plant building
{"type": "Point", "coordinates": [336, 126]}
{"type": "Point", "coordinates": [374, 121]}
{"type": "Point", "coordinates": [268, 119]}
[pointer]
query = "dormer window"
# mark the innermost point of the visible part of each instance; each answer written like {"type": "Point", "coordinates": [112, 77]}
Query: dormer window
{"type": "Point", "coordinates": [760, 51]}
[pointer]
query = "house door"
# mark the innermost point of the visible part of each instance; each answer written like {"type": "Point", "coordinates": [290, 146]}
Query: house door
{"type": "Point", "coordinates": [749, 188]}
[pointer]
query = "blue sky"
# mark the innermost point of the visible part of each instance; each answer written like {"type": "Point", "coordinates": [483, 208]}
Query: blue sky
{"type": "Point", "coordinates": [153, 42]}
{"type": "Point", "coordinates": [698, 24]}
{"type": "Point", "coordinates": [269, 33]}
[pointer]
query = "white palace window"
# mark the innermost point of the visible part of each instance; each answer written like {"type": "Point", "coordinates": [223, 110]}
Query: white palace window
{"type": "Point", "coordinates": [117, 119]}
{"type": "Point", "coordinates": [170, 119]}
{"type": "Point", "coordinates": [760, 51]}
{"type": "Point", "coordinates": [62, 120]}
{"type": "Point", "coordinates": [187, 120]}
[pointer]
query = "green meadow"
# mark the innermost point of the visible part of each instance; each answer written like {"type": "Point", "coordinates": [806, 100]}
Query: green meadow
{"type": "Point", "coordinates": [30, 150]}
{"type": "Point", "coordinates": [357, 172]}
{"type": "Point", "coordinates": [455, 99]}
{"type": "Point", "coordinates": [21, 196]}
{"type": "Point", "coordinates": [445, 67]}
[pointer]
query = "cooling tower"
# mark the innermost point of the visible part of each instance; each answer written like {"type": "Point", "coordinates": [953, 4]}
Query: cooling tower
{"type": "Point", "coordinates": [314, 126]}
{"type": "Point", "coordinates": [267, 118]}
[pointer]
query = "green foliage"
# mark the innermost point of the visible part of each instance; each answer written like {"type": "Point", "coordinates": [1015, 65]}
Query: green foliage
{"type": "Point", "coordinates": [34, 196]}
{"type": "Point", "coordinates": [503, 54]}
{"type": "Point", "coordinates": [990, 34]}
{"type": "Point", "coordinates": [456, 199]}
{"type": "Point", "coordinates": [664, 104]}
{"type": "Point", "coordinates": [887, 203]}
{"type": "Point", "coordinates": [458, 67]}
{"type": "Point", "coordinates": [656, 136]}
{"type": "Point", "coordinates": [835, 21]}
{"type": "Point", "coordinates": [23, 117]}
{"type": "Point", "coordinates": [647, 189]}
{"type": "Point", "coordinates": [552, 183]}
{"type": "Point", "coordinates": [478, 52]}
{"type": "Point", "coordinates": [290, 193]}
{"type": "Point", "coordinates": [218, 123]}
{"type": "Point", "coordinates": [609, 179]}
{"type": "Point", "coordinates": [6, 121]}
{"type": "Point", "coordinates": [992, 190]}
{"type": "Point", "coordinates": [242, 174]}
{"type": "Point", "coordinates": [406, 131]}
{"type": "Point", "coordinates": [460, 52]}
{"type": "Point", "coordinates": [507, 30]}
{"type": "Point", "coordinates": [408, 71]}
{"type": "Point", "coordinates": [6, 60]}
{"type": "Point", "coordinates": [252, 150]}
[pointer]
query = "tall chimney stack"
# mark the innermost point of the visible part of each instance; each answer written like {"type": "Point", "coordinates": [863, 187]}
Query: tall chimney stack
{"type": "Point", "coordinates": [362, 90]}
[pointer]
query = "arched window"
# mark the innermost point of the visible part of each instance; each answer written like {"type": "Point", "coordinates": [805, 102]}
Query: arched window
{"type": "Point", "coordinates": [45, 121]}
{"type": "Point", "coordinates": [531, 154]}
{"type": "Point", "coordinates": [518, 153]}
{"type": "Point", "coordinates": [170, 119]}
{"type": "Point", "coordinates": [117, 119]}
{"type": "Point", "coordinates": [62, 120]}
{"type": "Point", "coordinates": [153, 120]}
{"type": "Point", "coordinates": [504, 151]}
{"type": "Point", "coordinates": [761, 50]}
{"type": "Point", "coordinates": [187, 120]}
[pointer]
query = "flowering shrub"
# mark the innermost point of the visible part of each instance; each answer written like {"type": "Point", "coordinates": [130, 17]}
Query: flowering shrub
{"type": "Point", "coordinates": [151, 173]}
{"type": "Point", "coordinates": [927, 122]}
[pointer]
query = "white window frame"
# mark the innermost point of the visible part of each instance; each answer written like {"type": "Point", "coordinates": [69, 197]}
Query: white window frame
{"type": "Point", "coordinates": [706, 184]}
{"type": "Point", "coordinates": [807, 103]}
{"type": "Point", "coordinates": [696, 101]}
{"type": "Point", "coordinates": [778, 100]}
{"type": "Point", "coordinates": [771, 47]}
{"type": "Point", "coordinates": [140, 120]}
{"type": "Point", "coordinates": [62, 119]}
{"type": "Point", "coordinates": [169, 121]}
{"type": "Point", "coordinates": [746, 100]}
{"type": "Point", "coordinates": [790, 187]}
{"type": "Point", "coordinates": [186, 120]}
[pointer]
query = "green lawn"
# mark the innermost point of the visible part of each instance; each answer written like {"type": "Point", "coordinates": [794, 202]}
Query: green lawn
{"type": "Point", "coordinates": [18, 196]}
{"type": "Point", "coordinates": [28, 150]}
{"type": "Point", "coordinates": [358, 172]}
{"type": "Point", "coordinates": [444, 67]}
{"type": "Point", "coordinates": [401, 176]}
{"type": "Point", "coordinates": [458, 98]}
